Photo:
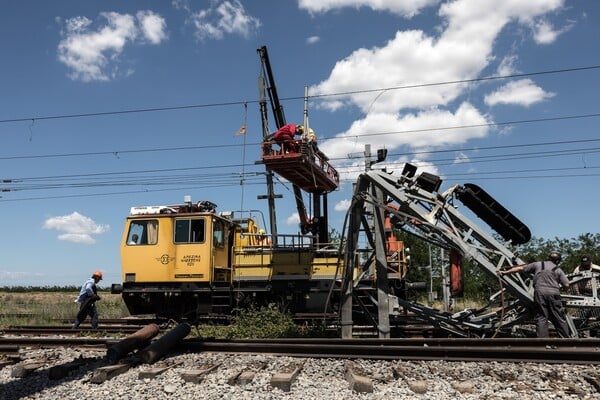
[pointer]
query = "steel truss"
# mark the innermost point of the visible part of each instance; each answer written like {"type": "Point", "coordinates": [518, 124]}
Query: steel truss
{"type": "Point", "coordinates": [416, 207]}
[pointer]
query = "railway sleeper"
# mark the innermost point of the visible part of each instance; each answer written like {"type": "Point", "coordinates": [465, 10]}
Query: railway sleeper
{"type": "Point", "coordinates": [357, 381]}
{"type": "Point", "coordinates": [197, 375]}
{"type": "Point", "coordinates": [283, 379]}
{"type": "Point", "coordinates": [241, 378]}
{"type": "Point", "coordinates": [103, 374]}
{"type": "Point", "coordinates": [60, 371]}
{"type": "Point", "coordinates": [152, 373]}
{"type": "Point", "coordinates": [25, 368]}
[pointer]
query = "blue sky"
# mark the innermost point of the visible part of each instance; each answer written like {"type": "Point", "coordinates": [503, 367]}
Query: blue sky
{"type": "Point", "coordinates": [108, 105]}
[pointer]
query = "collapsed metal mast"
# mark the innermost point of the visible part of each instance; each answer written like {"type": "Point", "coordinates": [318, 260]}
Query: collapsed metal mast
{"type": "Point", "coordinates": [418, 208]}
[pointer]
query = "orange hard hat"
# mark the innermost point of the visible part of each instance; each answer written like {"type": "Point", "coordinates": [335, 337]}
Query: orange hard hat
{"type": "Point", "coordinates": [97, 274]}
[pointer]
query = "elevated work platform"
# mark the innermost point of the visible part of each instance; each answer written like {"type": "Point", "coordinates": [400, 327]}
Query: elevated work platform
{"type": "Point", "coordinates": [301, 164]}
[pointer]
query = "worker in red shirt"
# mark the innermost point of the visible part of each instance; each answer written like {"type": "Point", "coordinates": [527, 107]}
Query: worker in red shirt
{"type": "Point", "coordinates": [285, 137]}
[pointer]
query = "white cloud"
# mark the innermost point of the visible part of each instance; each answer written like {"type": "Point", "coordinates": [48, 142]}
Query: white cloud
{"type": "Point", "coordinates": [77, 24]}
{"type": "Point", "coordinates": [342, 205]}
{"type": "Point", "coordinates": [76, 228]}
{"type": "Point", "coordinates": [461, 48]}
{"type": "Point", "coordinates": [544, 32]}
{"type": "Point", "coordinates": [228, 17]}
{"type": "Point", "coordinates": [461, 158]}
{"type": "Point", "coordinates": [522, 92]}
{"type": "Point", "coordinates": [153, 26]}
{"type": "Point", "coordinates": [312, 40]}
{"type": "Point", "coordinates": [462, 51]}
{"type": "Point", "coordinates": [293, 219]}
{"type": "Point", "coordinates": [181, 4]}
{"type": "Point", "coordinates": [6, 276]}
{"type": "Point", "coordinates": [405, 8]}
{"type": "Point", "coordinates": [416, 130]}
{"type": "Point", "coordinates": [508, 65]}
{"type": "Point", "coordinates": [425, 166]}
{"type": "Point", "coordinates": [94, 55]}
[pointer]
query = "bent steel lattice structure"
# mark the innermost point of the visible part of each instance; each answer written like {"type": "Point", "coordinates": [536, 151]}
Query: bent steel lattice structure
{"type": "Point", "coordinates": [416, 207]}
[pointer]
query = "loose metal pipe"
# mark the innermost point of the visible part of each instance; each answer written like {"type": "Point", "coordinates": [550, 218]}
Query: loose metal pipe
{"type": "Point", "coordinates": [135, 341]}
{"type": "Point", "coordinates": [159, 348]}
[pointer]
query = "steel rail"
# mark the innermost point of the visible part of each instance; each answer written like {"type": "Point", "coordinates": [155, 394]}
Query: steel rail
{"type": "Point", "coordinates": [419, 341]}
{"type": "Point", "coordinates": [119, 321]}
{"type": "Point", "coordinates": [56, 342]}
{"type": "Point", "coordinates": [66, 330]}
{"type": "Point", "coordinates": [570, 351]}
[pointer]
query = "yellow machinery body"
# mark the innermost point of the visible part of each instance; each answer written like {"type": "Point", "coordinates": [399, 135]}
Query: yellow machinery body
{"type": "Point", "coordinates": [189, 262]}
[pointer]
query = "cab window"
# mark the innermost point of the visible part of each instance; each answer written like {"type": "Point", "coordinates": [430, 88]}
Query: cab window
{"type": "Point", "coordinates": [189, 230]}
{"type": "Point", "coordinates": [142, 232]}
{"type": "Point", "coordinates": [218, 233]}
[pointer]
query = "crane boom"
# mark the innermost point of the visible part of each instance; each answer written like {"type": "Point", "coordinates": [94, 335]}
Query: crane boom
{"type": "Point", "coordinates": [306, 168]}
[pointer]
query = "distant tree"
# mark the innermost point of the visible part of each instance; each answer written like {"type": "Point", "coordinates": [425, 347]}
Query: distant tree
{"type": "Point", "coordinates": [479, 283]}
{"type": "Point", "coordinates": [334, 236]}
{"type": "Point", "coordinates": [570, 249]}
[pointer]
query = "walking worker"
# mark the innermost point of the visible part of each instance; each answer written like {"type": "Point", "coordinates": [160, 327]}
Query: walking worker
{"type": "Point", "coordinates": [547, 279]}
{"type": "Point", "coordinates": [88, 295]}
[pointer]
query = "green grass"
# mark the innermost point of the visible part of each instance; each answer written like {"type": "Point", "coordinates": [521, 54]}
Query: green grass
{"type": "Point", "coordinates": [54, 307]}
{"type": "Point", "coordinates": [50, 308]}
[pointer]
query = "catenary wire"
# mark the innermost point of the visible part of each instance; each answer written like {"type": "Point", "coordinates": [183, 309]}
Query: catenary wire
{"type": "Point", "coordinates": [244, 102]}
{"type": "Point", "coordinates": [190, 148]}
{"type": "Point", "coordinates": [137, 179]}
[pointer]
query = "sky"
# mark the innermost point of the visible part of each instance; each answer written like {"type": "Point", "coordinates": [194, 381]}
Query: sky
{"type": "Point", "coordinates": [114, 104]}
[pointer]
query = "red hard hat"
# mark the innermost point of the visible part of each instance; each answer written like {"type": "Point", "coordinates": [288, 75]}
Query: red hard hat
{"type": "Point", "coordinates": [97, 274]}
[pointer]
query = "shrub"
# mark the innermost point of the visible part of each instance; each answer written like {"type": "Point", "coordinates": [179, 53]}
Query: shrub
{"type": "Point", "coordinates": [264, 323]}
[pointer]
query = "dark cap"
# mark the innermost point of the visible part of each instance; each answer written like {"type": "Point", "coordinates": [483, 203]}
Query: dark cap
{"type": "Point", "coordinates": [586, 261]}
{"type": "Point", "coordinates": [555, 257]}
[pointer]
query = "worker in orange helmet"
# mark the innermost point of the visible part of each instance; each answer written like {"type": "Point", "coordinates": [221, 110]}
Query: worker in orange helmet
{"type": "Point", "coordinates": [88, 295]}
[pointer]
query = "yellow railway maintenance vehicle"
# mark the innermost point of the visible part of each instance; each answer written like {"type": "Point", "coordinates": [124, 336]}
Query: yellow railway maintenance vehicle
{"type": "Point", "coordinates": [188, 261]}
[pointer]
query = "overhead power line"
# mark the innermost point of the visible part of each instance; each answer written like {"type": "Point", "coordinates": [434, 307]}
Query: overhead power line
{"type": "Point", "coordinates": [245, 102]}
{"type": "Point", "coordinates": [104, 193]}
{"type": "Point", "coordinates": [189, 148]}
{"type": "Point", "coordinates": [455, 82]}
{"type": "Point", "coordinates": [159, 173]}
{"type": "Point", "coordinates": [213, 186]}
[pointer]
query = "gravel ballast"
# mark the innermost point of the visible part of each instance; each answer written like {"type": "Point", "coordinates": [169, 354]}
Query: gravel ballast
{"type": "Point", "coordinates": [318, 379]}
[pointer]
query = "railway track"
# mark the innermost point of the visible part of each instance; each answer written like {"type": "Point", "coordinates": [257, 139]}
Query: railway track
{"type": "Point", "coordinates": [571, 351]}
{"type": "Point", "coordinates": [106, 327]}
{"type": "Point", "coordinates": [281, 364]}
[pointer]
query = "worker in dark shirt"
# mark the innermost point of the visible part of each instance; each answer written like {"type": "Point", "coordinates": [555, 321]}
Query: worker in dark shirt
{"type": "Point", "coordinates": [547, 280]}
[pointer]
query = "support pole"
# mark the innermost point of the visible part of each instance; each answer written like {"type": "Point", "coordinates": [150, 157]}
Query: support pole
{"type": "Point", "coordinates": [383, 300]}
